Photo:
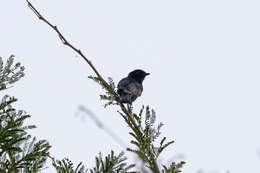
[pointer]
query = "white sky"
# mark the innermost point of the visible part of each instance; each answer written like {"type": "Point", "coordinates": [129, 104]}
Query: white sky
{"type": "Point", "coordinates": [203, 57]}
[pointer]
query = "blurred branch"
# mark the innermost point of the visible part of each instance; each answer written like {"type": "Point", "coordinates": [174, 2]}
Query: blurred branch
{"type": "Point", "coordinates": [208, 171]}
{"type": "Point", "coordinates": [102, 125]}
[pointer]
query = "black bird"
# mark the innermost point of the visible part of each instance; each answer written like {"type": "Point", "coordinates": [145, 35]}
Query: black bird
{"type": "Point", "coordinates": [130, 87]}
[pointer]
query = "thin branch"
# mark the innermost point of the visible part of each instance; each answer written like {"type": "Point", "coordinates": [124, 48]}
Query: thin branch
{"type": "Point", "coordinates": [65, 42]}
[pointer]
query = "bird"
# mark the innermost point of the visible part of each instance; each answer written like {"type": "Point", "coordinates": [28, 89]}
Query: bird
{"type": "Point", "coordinates": [131, 87]}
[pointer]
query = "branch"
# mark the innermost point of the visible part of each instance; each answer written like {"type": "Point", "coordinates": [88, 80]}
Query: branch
{"type": "Point", "coordinates": [78, 51]}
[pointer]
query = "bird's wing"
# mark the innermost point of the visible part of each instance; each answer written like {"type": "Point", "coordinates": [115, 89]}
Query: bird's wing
{"type": "Point", "coordinates": [135, 88]}
{"type": "Point", "coordinates": [129, 86]}
{"type": "Point", "coordinates": [123, 83]}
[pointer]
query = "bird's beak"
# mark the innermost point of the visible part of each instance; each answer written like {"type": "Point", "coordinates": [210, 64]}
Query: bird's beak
{"type": "Point", "coordinates": [147, 74]}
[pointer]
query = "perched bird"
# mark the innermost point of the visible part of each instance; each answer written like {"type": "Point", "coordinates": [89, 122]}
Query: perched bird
{"type": "Point", "coordinates": [130, 87]}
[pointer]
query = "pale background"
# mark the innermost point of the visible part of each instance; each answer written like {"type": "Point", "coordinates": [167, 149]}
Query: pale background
{"type": "Point", "coordinates": [203, 57]}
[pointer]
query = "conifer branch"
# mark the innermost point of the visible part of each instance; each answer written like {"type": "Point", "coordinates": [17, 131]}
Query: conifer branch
{"type": "Point", "coordinates": [18, 153]}
{"type": "Point", "coordinates": [144, 137]}
{"type": "Point", "coordinates": [100, 78]}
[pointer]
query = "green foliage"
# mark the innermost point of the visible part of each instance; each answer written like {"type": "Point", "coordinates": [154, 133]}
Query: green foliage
{"type": "Point", "coordinates": [144, 134]}
{"type": "Point", "coordinates": [19, 152]}
{"type": "Point", "coordinates": [145, 137]}
{"type": "Point", "coordinates": [147, 133]}
{"type": "Point", "coordinates": [10, 73]}
{"type": "Point", "coordinates": [112, 163]}
{"type": "Point", "coordinates": [173, 168]}
{"type": "Point", "coordinates": [66, 166]}
{"type": "Point", "coordinates": [110, 94]}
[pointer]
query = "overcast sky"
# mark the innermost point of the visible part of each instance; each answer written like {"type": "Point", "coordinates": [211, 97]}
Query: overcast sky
{"type": "Point", "coordinates": [203, 57]}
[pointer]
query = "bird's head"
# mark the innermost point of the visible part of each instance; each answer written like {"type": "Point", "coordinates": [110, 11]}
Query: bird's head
{"type": "Point", "coordinates": [138, 75]}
